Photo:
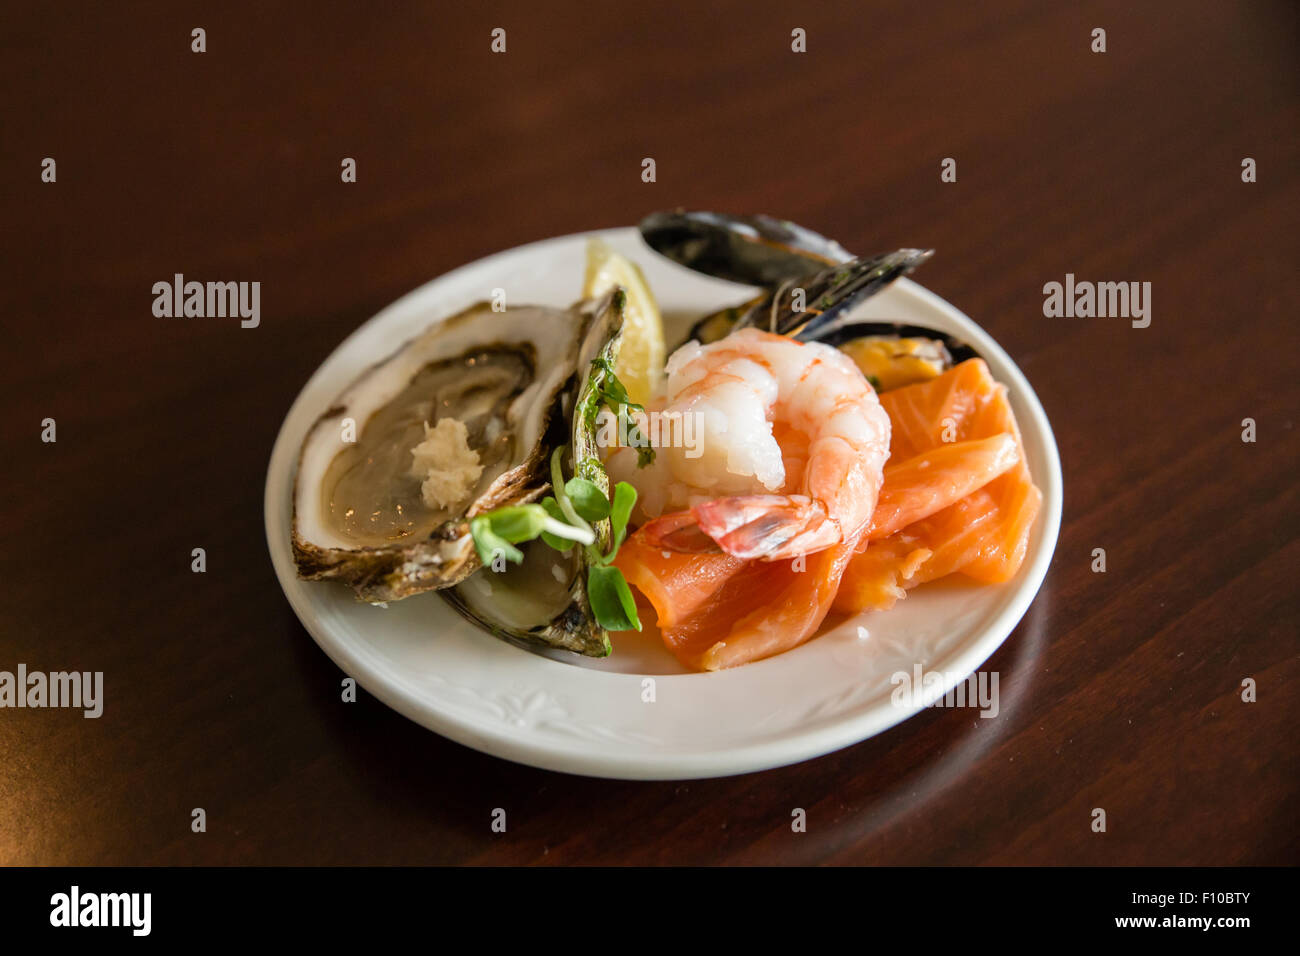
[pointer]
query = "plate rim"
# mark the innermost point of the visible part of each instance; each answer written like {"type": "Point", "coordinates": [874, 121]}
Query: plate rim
{"type": "Point", "coordinates": [791, 746]}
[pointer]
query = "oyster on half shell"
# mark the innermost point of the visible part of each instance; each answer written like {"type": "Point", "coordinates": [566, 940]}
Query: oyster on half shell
{"type": "Point", "coordinates": [363, 514]}
{"type": "Point", "coordinates": [543, 601]}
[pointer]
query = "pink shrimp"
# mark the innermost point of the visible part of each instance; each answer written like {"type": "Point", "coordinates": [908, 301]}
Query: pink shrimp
{"type": "Point", "coordinates": [791, 449]}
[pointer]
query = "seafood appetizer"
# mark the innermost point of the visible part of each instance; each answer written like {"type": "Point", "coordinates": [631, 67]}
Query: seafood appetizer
{"type": "Point", "coordinates": [563, 481]}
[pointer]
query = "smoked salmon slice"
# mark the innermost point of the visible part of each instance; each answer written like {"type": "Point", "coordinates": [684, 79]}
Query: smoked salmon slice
{"type": "Point", "coordinates": [929, 414]}
{"type": "Point", "coordinates": [933, 480]}
{"type": "Point", "coordinates": [1018, 501]}
{"type": "Point", "coordinates": [942, 544]}
{"type": "Point", "coordinates": [716, 611]}
{"type": "Point", "coordinates": [677, 583]}
{"type": "Point", "coordinates": [984, 534]}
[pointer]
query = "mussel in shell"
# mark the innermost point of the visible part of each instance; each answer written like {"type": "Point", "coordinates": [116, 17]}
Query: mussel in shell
{"type": "Point", "coordinates": [892, 354]}
{"type": "Point", "coordinates": [810, 286]}
{"type": "Point", "coordinates": [804, 308]}
{"type": "Point", "coordinates": [753, 250]}
{"type": "Point", "coordinates": [807, 280]}
{"type": "Point", "coordinates": [802, 311]}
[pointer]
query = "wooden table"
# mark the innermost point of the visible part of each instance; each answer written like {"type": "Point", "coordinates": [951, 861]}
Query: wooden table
{"type": "Point", "coordinates": [1120, 690]}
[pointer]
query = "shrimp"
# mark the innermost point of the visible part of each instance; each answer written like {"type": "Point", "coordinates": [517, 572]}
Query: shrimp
{"type": "Point", "coordinates": [792, 447]}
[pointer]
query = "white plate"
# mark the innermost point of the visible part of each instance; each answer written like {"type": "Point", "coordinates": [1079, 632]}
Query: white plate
{"type": "Point", "coordinates": [569, 713]}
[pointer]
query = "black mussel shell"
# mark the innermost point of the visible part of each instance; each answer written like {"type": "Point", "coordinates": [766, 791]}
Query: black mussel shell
{"type": "Point", "coordinates": [802, 309]}
{"type": "Point", "coordinates": [753, 250]}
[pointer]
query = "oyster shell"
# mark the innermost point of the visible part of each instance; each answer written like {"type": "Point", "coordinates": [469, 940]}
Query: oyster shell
{"type": "Point", "coordinates": [360, 516]}
{"type": "Point", "coordinates": [543, 600]}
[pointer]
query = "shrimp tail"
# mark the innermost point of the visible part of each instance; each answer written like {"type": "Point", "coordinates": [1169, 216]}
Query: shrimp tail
{"type": "Point", "coordinates": [750, 527]}
{"type": "Point", "coordinates": [679, 531]}
{"type": "Point", "coordinates": [770, 527]}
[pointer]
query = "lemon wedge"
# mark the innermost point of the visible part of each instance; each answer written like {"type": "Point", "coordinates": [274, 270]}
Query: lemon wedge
{"type": "Point", "coordinates": [641, 356]}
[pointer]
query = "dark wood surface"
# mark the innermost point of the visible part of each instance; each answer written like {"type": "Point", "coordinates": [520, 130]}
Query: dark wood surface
{"type": "Point", "coordinates": [1119, 690]}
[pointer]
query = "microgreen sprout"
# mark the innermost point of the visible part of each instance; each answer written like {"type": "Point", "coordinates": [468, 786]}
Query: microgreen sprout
{"type": "Point", "coordinates": [562, 520]}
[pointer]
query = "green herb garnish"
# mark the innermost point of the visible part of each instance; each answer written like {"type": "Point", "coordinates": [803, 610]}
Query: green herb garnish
{"type": "Point", "coordinates": [561, 521]}
{"type": "Point", "coordinates": [588, 500]}
{"type": "Point", "coordinates": [611, 599]}
{"type": "Point", "coordinates": [609, 391]}
{"type": "Point", "coordinates": [497, 532]}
